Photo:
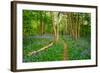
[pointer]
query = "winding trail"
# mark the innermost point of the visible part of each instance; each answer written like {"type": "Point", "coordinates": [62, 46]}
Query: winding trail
{"type": "Point", "coordinates": [65, 54]}
{"type": "Point", "coordinates": [65, 50]}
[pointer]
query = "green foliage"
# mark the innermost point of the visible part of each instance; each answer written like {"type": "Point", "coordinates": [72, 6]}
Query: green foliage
{"type": "Point", "coordinates": [38, 32]}
{"type": "Point", "coordinates": [77, 50]}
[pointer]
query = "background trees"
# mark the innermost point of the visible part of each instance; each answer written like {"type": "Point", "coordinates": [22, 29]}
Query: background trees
{"type": "Point", "coordinates": [67, 23]}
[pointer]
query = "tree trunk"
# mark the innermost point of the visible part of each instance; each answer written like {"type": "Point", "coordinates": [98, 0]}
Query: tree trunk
{"type": "Point", "coordinates": [41, 23]}
{"type": "Point", "coordinates": [55, 26]}
{"type": "Point", "coordinates": [78, 30]}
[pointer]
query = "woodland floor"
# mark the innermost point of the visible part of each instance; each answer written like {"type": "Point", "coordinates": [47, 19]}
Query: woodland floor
{"type": "Point", "coordinates": [65, 49]}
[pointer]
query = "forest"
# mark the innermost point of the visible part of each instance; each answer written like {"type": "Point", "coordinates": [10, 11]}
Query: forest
{"type": "Point", "coordinates": [56, 36]}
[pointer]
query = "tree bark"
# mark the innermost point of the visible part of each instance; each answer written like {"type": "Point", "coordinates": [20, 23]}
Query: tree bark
{"type": "Point", "coordinates": [41, 23]}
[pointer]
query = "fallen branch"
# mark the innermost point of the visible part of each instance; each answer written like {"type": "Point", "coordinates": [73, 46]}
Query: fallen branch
{"type": "Point", "coordinates": [41, 49]}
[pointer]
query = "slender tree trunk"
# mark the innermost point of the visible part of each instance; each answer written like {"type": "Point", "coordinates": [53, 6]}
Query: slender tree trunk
{"type": "Point", "coordinates": [78, 30]}
{"type": "Point", "coordinates": [72, 26]}
{"type": "Point", "coordinates": [76, 26]}
{"type": "Point", "coordinates": [56, 26]}
{"type": "Point", "coordinates": [41, 23]}
{"type": "Point", "coordinates": [68, 24]}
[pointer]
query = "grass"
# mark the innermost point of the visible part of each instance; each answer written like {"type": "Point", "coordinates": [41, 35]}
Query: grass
{"type": "Point", "coordinates": [77, 49]}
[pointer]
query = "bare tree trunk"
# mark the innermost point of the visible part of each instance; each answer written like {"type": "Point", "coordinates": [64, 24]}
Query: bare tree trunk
{"type": "Point", "coordinates": [41, 23]}
{"type": "Point", "coordinates": [68, 22]}
{"type": "Point", "coordinates": [55, 26]}
{"type": "Point", "coordinates": [76, 26]}
{"type": "Point", "coordinates": [78, 30]}
{"type": "Point", "coordinates": [72, 26]}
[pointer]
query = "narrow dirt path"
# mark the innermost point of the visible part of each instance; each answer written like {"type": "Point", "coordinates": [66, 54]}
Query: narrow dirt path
{"type": "Point", "coordinates": [65, 53]}
{"type": "Point", "coordinates": [65, 48]}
